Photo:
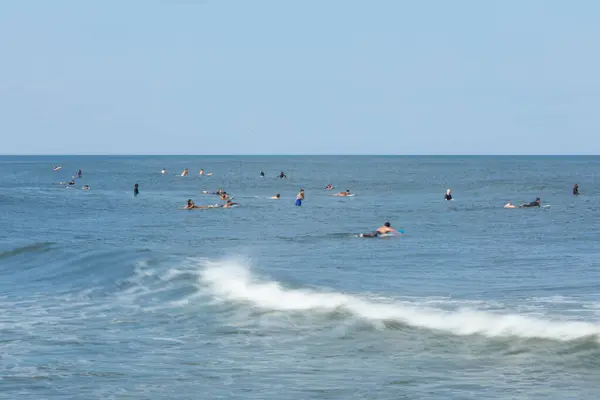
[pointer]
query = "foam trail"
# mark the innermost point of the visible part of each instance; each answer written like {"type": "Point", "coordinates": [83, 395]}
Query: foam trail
{"type": "Point", "coordinates": [234, 282]}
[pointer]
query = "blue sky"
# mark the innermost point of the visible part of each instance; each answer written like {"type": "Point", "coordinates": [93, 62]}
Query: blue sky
{"type": "Point", "coordinates": [291, 77]}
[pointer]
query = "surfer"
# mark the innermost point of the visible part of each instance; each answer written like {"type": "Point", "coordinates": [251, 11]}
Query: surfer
{"type": "Point", "coordinates": [385, 228]}
{"type": "Point", "coordinates": [190, 205]}
{"type": "Point", "coordinates": [79, 173]}
{"type": "Point", "coordinates": [300, 198]}
{"type": "Point", "coordinates": [536, 203]}
{"type": "Point", "coordinates": [218, 192]}
{"type": "Point", "coordinates": [576, 190]}
{"type": "Point", "coordinates": [185, 172]}
{"type": "Point", "coordinates": [229, 204]}
{"type": "Point", "coordinates": [329, 187]}
{"type": "Point", "coordinates": [164, 171]}
{"type": "Point", "coordinates": [276, 197]}
{"type": "Point", "coordinates": [282, 175]}
{"type": "Point", "coordinates": [448, 195]}
{"type": "Point", "coordinates": [342, 194]}
{"type": "Point", "coordinates": [201, 171]}
{"type": "Point", "coordinates": [86, 187]}
{"type": "Point", "coordinates": [262, 173]}
{"type": "Point", "coordinates": [136, 189]}
{"type": "Point", "coordinates": [56, 168]}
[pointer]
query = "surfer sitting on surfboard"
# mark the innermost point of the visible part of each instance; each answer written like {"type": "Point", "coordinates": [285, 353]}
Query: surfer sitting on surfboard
{"type": "Point", "coordinates": [448, 195]}
{"type": "Point", "coordinates": [386, 228]}
{"type": "Point", "coordinates": [342, 194]}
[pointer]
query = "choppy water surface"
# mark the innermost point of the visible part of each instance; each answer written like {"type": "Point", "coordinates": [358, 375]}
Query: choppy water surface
{"type": "Point", "coordinates": [107, 295]}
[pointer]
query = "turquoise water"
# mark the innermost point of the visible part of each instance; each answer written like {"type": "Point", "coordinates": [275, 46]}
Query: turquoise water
{"type": "Point", "coordinates": [106, 295]}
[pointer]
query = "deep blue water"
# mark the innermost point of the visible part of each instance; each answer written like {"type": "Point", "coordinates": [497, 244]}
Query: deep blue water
{"type": "Point", "coordinates": [106, 295]}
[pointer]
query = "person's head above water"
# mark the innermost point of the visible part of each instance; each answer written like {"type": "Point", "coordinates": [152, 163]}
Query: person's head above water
{"type": "Point", "coordinates": [190, 202]}
{"type": "Point", "coordinates": [537, 200]}
{"type": "Point", "coordinates": [387, 224]}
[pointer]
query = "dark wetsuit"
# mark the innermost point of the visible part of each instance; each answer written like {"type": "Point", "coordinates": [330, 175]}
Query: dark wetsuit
{"type": "Point", "coordinates": [532, 204]}
{"type": "Point", "coordinates": [576, 191]}
{"type": "Point", "coordinates": [136, 191]}
{"type": "Point", "coordinates": [448, 197]}
{"type": "Point", "coordinates": [262, 173]}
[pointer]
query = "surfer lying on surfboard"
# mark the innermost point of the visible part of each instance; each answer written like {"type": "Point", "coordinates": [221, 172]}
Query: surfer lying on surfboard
{"type": "Point", "coordinates": [190, 205]}
{"type": "Point", "coordinates": [342, 194]}
{"type": "Point", "coordinates": [382, 230]}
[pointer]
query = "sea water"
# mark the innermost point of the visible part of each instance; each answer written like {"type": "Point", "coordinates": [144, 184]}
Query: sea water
{"type": "Point", "coordinates": [104, 295]}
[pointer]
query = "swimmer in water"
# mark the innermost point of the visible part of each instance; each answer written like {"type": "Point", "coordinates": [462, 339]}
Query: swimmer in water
{"type": "Point", "coordinates": [276, 197]}
{"type": "Point", "coordinates": [185, 172]}
{"type": "Point", "coordinates": [262, 173]}
{"type": "Point", "coordinates": [510, 205]}
{"type": "Point", "coordinates": [576, 190]}
{"type": "Point", "coordinates": [164, 171]}
{"type": "Point", "coordinates": [536, 203]}
{"type": "Point", "coordinates": [448, 195]}
{"type": "Point", "coordinates": [342, 194]}
{"type": "Point", "coordinates": [201, 171]}
{"type": "Point", "coordinates": [329, 187]}
{"type": "Point", "coordinates": [224, 196]}
{"type": "Point", "coordinates": [300, 198]}
{"type": "Point", "coordinates": [86, 187]}
{"type": "Point", "coordinates": [282, 175]}
{"type": "Point", "coordinates": [136, 189]}
{"type": "Point", "coordinates": [385, 228]}
{"type": "Point", "coordinates": [79, 173]}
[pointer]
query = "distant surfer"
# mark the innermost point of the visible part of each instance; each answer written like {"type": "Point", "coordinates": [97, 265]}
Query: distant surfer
{"type": "Point", "coordinates": [448, 195]}
{"type": "Point", "coordinates": [79, 173]}
{"type": "Point", "coordinates": [576, 190]}
{"type": "Point", "coordinates": [164, 171]}
{"type": "Point", "coordinates": [136, 189]}
{"type": "Point", "coordinates": [201, 171]}
{"type": "Point", "coordinates": [382, 230]}
{"type": "Point", "coordinates": [190, 205]}
{"type": "Point", "coordinates": [185, 172]}
{"type": "Point", "coordinates": [56, 168]}
{"type": "Point", "coordinates": [262, 173]}
{"type": "Point", "coordinates": [282, 175]}
{"type": "Point", "coordinates": [329, 187]}
{"type": "Point", "coordinates": [276, 197]}
{"type": "Point", "coordinates": [536, 203]}
{"type": "Point", "coordinates": [342, 194]}
{"type": "Point", "coordinates": [300, 198]}
{"type": "Point", "coordinates": [86, 187]}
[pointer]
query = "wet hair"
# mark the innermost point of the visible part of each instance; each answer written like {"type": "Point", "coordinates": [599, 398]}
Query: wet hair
{"type": "Point", "coordinates": [387, 224]}
{"type": "Point", "coordinates": [277, 195]}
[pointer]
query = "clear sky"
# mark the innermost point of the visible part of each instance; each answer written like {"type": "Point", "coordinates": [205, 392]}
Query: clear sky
{"type": "Point", "coordinates": [300, 77]}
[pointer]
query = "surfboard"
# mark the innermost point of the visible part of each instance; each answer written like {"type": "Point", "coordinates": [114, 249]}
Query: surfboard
{"type": "Point", "coordinates": [383, 235]}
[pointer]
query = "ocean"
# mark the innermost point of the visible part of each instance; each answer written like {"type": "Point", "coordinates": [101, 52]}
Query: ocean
{"type": "Point", "coordinates": [106, 295]}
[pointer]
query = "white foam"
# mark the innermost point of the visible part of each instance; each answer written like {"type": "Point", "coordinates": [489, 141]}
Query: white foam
{"type": "Point", "coordinates": [233, 282]}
